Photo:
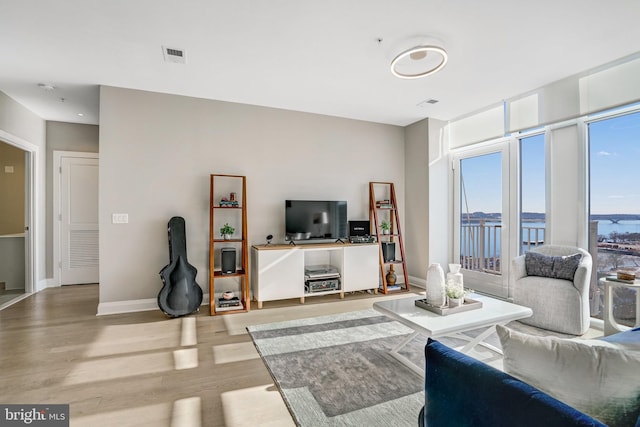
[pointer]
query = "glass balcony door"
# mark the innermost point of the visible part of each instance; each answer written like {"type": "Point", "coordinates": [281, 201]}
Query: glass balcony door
{"type": "Point", "coordinates": [481, 209]}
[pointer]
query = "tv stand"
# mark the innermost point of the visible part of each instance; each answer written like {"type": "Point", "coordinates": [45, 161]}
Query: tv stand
{"type": "Point", "coordinates": [278, 271]}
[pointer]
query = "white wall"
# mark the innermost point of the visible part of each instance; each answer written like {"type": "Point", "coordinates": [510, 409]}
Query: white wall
{"type": "Point", "coordinates": [156, 154]}
{"type": "Point", "coordinates": [440, 198]}
{"type": "Point", "coordinates": [566, 198]}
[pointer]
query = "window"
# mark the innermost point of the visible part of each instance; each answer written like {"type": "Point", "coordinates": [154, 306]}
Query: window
{"type": "Point", "coordinates": [614, 206]}
{"type": "Point", "coordinates": [532, 192]}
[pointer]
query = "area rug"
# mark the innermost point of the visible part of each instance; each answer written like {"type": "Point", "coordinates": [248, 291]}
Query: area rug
{"type": "Point", "coordinates": [336, 370]}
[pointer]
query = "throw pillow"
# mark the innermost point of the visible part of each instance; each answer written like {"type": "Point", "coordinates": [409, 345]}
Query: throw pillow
{"type": "Point", "coordinates": [557, 267]}
{"type": "Point", "coordinates": [595, 377]}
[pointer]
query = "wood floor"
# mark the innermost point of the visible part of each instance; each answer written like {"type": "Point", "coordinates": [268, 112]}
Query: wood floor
{"type": "Point", "coordinates": [143, 368]}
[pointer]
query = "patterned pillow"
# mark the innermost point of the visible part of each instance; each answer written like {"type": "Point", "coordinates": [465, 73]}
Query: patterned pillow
{"type": "Point", "coordinates": [556, 267]}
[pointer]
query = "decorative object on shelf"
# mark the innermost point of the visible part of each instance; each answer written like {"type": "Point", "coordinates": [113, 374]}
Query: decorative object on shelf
{"type": "Point", "coordinates": [384, 204]}
{"type": "Point", "coordinates": [269, 238]}
{"type": "Point", "coordinates": [436, 295]}
{"type": "Point", "coordinates": [391, 277]}
{"type": "Point", "coordinates": [228, 260]}
{"type": "Point", "coordinates": [226, 231]}
{"type": "Point", "coordinates": [454, 277]}
{"type": "Point", "coordinates": [228, 295]}
{"type": "Point", "coordinates": [180, 294]}
{"type": "Point", "coordinates": [230, 202]}
{"type": "Point", "coordinates": [385, 226]}
{"type": "Point", "coordinates": [389, 251]}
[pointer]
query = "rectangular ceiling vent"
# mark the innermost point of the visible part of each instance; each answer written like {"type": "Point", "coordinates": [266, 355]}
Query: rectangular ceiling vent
{"type": "Point", "coordinates": [428, 102]}
{"type": "Point", "coordinates": [172, 54]}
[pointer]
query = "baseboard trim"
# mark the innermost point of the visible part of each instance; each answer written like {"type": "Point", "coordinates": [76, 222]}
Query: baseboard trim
{"type": "Point", "coordinates": [133, 306]}
{"type": "Point", "coordinates": [416, 281]}
{"type": "Point", "coordinates": [52, 283]}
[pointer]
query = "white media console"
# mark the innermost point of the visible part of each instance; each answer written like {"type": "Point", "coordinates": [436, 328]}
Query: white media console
{"type": "Point", "coordinates": [278, 271]}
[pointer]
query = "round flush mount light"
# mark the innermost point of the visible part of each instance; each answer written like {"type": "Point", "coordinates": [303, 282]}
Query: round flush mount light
{"type": "Point", "coordinates": [46, 86]}
{"type": "Point", "coordinates": [419, 61]}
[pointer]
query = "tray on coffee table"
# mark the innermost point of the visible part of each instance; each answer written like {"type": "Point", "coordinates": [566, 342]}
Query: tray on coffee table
{"type": "Point", "coordinates": [469, 304]}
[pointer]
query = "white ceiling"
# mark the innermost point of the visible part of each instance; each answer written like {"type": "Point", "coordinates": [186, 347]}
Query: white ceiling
{"type": "Point", "coordinates": [316, 56]}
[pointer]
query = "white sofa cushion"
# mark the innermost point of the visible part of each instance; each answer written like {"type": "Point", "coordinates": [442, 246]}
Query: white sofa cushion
{"type": "Point", "coordinates": [596, 377]}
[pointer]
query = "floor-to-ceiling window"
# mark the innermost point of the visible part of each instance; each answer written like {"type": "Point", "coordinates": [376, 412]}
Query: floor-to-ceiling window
{"type": "Point", "coordinates": [532, 192]}
{"type": "Point", "coordinates": [614, 205]}
{"type": "Point", "coordinates": [487, 236]}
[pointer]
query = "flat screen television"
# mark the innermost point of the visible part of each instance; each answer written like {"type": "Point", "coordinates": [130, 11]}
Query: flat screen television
{"type": "Point", "coordinates": [315, 220]}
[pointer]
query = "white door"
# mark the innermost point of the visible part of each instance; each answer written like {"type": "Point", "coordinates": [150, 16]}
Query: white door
{"type": "Point", "coordinates": [482, 213]}
{"type": "Point", "coordinates": [78, 220]}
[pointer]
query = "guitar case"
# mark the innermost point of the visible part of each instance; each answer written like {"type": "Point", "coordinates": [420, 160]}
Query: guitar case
{"type": "Point", "coordinates": [180, 294]}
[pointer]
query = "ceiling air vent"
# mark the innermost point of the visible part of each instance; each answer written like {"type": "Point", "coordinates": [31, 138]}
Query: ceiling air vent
{"type": "Point", "coordinates": [427, 102]}
{"type": "Point", "coordinates": [172, 54]}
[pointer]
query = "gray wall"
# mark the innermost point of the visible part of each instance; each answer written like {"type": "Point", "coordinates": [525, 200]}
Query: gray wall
{"type": "Point", "coordinates": [64, 137]}
{"type": "Point", "coordinates": [428, 199]}
{"type": "Point", "coordinates": [156, 154]}
{"type": "Point", "coordinates": [18, 122]}
{"type": "Point", "coordinates": [416, 233]}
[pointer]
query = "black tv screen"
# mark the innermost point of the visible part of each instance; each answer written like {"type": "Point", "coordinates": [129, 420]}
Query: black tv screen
{"type": "Point", "coordinates": [315, 219]}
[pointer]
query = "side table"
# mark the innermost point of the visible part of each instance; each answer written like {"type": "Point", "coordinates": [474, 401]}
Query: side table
{"type": "Point", "coordinates": [610, 324]}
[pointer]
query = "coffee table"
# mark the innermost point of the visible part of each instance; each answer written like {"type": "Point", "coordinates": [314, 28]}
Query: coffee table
{"type": "Point", "coordinates": [423, 322]}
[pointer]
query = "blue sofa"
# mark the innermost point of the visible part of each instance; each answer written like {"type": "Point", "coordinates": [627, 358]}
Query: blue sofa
{"type": "Point", "coordinates": [462, 391]}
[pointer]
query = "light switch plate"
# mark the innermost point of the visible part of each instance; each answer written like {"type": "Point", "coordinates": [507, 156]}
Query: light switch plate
{"type": "Point", "coordinates": [119, 218]}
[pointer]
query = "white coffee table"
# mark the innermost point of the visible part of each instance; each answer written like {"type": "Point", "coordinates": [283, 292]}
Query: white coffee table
{"type": "Point", "coordinates": [423, 322]}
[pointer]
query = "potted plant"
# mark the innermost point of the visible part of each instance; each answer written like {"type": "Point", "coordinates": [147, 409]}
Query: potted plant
{"type": "Point", "coordinates": [386, 227]}
{"type": "Point", "coordinates": [226, 231]}
{"type": "Point", "coordinates": [456, 296]}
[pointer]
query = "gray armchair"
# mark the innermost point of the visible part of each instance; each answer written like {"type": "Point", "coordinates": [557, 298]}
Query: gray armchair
{"type": "Point", "coordinates": [558, 304]}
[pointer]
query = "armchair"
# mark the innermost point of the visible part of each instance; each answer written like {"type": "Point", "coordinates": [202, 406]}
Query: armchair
{"type": "Point", "coordinates": [559, 305]}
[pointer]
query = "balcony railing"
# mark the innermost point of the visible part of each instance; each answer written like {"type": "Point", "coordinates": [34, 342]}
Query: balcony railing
{"type": "Point", "coordinates": [480, 245]}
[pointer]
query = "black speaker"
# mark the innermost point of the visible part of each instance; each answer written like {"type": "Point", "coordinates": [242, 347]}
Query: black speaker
{"type": "Point", "coordinates": [388, 251]}
{"type": "Point", "coordinates": [228, 260]}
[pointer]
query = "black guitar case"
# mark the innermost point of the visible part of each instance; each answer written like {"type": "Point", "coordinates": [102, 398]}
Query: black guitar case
{"type": "Point", "coordinates": [180, 294]}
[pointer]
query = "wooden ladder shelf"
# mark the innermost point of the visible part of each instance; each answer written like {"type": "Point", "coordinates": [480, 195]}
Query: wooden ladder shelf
{"type": "Point", "coordinates": [234, 212]}
{"type": "Point", "coordinates": [385, 209]}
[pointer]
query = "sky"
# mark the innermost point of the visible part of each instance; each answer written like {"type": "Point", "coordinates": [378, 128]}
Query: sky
{"type": "Point", "coordinates": [614, 162]}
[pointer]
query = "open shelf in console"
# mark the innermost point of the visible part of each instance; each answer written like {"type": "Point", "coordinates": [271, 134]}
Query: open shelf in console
{"type": "Point", "coordinates": [278, 271]}
{"type": "Point", "coordinates": [323, 268]}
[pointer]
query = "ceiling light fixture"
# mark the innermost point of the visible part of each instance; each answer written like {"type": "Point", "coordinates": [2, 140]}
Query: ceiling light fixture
{"type": "Point", "coordinates": [46, 86]}
{"type": "Point", "coordinates": [419, 61]}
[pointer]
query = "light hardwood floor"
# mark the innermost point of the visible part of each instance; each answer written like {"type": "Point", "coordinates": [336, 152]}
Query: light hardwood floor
{"type": "Point", "coordinates": [144, 368]}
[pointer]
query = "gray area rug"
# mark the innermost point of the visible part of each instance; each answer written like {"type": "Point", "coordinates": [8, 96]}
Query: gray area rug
{"type": "Point", "coordinates": [336, 370]}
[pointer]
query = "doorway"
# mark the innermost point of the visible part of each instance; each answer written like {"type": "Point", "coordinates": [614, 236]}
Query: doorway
{"type": "Point", "coordinates": [481, 212]}
{"type": "Point", "coordinates": [16, 241]}
{"type": "Point", "coordinates": [75, 240]}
